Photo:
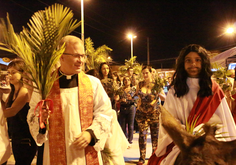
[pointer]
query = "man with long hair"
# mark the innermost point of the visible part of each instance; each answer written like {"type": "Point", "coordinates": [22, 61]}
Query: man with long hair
{"type": "Point", "coordinates": [193, 97]}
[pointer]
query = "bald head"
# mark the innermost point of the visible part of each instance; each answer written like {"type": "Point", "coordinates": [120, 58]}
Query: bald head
{"type": "Point", "coordinates": [70, 40]}
{"type": "Point", "coordinates": [73, 58]}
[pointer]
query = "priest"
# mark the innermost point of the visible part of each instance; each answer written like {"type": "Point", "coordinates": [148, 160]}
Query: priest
{"type": "Point", "coordinates": [81, 120]}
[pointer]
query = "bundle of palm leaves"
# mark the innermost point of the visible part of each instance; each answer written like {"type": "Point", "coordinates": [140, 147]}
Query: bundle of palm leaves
{"type": "Point", "coordinates": [132, 62]}
{"type": "Point", "coordinates": [159, 84]}
{"type": "Point", "coordinates": [221, 76]}
{"type": "Point", "coordinates": [38, 44]}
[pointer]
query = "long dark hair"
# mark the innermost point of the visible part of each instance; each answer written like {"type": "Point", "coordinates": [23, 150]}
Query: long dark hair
{"type": "Point", "coordinates": [100, 71]}
{"type": "Point", "coordinates": [115, 74]}
{"type": "Point", "coordinates": [180, 76]}
{"type": "Point", "coordinates": [19, 65]}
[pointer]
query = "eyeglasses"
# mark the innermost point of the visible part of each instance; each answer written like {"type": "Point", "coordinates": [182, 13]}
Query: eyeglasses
{"type": "Point", "coordinates": [76, 55]}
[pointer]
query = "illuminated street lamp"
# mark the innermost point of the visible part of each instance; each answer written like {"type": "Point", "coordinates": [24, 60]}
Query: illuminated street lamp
{"type": "Point", "coordinates": [82, 20]}
{"type": "Point", "coordinates": [131, 36]}
{"type": "Point", "coordinates": [229, 30]}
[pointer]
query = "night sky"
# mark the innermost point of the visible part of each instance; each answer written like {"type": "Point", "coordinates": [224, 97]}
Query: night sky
{"type": "Point", "coordinates": [169, 25]}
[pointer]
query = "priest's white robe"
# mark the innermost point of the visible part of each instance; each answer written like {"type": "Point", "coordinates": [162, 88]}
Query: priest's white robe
{"type": "Point", "coordinates": [103, 123]}
{"type": "Point", "coordinates": [180, 108]}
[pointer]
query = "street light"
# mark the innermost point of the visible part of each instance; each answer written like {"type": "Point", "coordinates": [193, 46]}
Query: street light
{"type": "Point", "coordinates": [131, 36]}
{"type": "Point", "coordinates": [229, 30]}
{"type": "Point", "coordinates": [82, 21]}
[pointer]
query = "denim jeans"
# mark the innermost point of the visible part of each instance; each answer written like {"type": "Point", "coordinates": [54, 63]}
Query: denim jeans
{"type": "Point", "coordinates": [126, 117]}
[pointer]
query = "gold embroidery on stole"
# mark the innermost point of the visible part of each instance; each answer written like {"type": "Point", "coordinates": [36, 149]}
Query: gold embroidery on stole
{"type": "Point", "coordinates": [57, 124]}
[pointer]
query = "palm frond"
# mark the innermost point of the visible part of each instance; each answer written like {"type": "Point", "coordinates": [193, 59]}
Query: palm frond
{"type": "Point", "coordinates": [96, 57]}
{"type": "Point", "coordinates": [37, 45]}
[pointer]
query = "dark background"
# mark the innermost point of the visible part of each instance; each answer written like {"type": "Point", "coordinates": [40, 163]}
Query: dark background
{"type": "Point", "coordinates": [169, 25]}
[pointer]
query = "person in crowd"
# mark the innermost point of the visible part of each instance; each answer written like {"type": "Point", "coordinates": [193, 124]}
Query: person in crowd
{"type": "Point", "coordinates": [121, 77]}
{"type": "Point", "coordinates": [169, 81]}
{"type": "Point", "coordinates": [130, 71]}
{"type": "Point", "coordinates": [107, 82]}
{"type": "Point", "coordinates": [193, 97]}
{"type": "Point", "coordinates": [81, 119]}
{"type": "Point", "coordinates": [92, 72]}
{"type": "Point", "coordinates": [116, 80]}
{"type": "Point", "coordinates": [5, 149]}
{"type": "Point", "coordinates": [147, 114]}
{"type": "Point", "coordinates": [134, 80]}
{"type": "Point", "coordinates": [127, 108]}
{"type": "Point", "coordinates": [167, 87]}
{"type": "Point", "coordinates": [154, 72]}
{"type": "Point", "coordinates": [116, 86]}
{"type": "Point", "coordinates": [16, 109]}
{"type": "Point", "coordinates": [104, 71]}
{"type": "Point", "coordinates": [134, 83]}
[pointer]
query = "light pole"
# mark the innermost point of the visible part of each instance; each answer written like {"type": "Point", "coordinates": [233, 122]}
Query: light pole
{"type": "Point", "coordinates": [82, 21]}
{"type": "Point", "coordinates": [131, 36]}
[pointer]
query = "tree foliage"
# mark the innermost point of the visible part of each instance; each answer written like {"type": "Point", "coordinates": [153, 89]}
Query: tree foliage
{"type": "Point", "coordinates": [95, 56]}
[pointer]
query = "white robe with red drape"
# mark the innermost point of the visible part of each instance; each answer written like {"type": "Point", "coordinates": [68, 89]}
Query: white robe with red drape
{"type": "Point", "coordinates": [180, 108]}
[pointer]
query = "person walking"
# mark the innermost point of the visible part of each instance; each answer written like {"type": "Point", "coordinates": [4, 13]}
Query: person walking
{"type": "Point", "coordinates": [16, 109]}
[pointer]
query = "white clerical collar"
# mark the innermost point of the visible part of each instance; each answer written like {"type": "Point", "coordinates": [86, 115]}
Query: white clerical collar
{"type": "Point", "coordinates": [68, 77]}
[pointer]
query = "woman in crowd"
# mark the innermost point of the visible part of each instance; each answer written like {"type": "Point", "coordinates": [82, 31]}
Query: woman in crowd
{"type": "Point", "coordinates": [116, 87]}
{"type": "Point", "coordinates": [116, 80]}
{"type": "Point", "coordinates": [17, 106]}
{"type": "Point", "coordinates": [147, 114]}
{"type": "Point", "coordinates": [107, 82]}
{"type": "Point", "coordinates": [127, 108]}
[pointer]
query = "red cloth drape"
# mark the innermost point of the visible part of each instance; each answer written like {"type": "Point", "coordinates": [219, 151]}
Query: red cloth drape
{"type": "Point", "coordinates": [203, 109]}
{"type": "Point", "coordinates": [57, 123]}
{"type": "Point", "coordinates": [234, 110]}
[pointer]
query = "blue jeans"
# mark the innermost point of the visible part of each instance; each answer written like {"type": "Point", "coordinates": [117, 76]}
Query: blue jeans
{"type": "Point", "coordinates": [126, 116]}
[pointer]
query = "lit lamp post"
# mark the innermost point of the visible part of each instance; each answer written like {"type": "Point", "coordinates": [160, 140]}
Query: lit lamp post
{"type": "Point", "coordinates": [229, 30]}
{"type": "Point", "coordinates": [131, 36]}
{"type": "Point", "coordinates": [82, 20]}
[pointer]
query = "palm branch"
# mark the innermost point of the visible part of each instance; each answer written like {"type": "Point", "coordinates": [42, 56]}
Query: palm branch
{"type": "Point", "coordinates": [95, 56]}
{"type": "Point", "coordinates": [131, 63]}
{"type": "Point", "coordinates": [38, 44]}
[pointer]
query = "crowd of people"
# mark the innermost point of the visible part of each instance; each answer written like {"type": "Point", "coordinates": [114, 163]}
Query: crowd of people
{"type": "Point", "coordinates": [94, 111]}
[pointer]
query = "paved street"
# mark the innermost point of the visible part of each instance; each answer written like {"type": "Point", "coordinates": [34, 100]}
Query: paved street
{"type": "Point", "coordinates": [131, 155]}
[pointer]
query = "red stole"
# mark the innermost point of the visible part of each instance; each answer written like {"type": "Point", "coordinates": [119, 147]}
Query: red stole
{"type": "Point", "coordinates": [234, 110]}
{"type": "Point", "coordinates": [57, 146]}
{"type": "Point", "coordinates": [203, 109]}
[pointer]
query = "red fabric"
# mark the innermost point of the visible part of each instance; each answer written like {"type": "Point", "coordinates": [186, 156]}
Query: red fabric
{"type": "Point", "coordinates": [57, 123]}
{"type": "Point", "coordinates": [234, 110]}
{"type": "Point", "coordinates": [86, 114]}
{"type": "Point", "coordinates": [203, 108]}
{"type": "Point", "coordinates": [56, 131]}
